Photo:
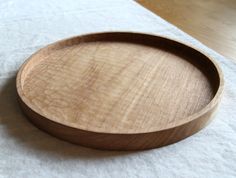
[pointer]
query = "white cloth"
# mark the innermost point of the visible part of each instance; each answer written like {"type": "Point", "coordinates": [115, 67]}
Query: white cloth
{"type": "Point", "coordinates": [25, 151]}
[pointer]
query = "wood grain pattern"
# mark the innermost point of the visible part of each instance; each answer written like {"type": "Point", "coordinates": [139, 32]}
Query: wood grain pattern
{"type": "Point", "coordinates": [212, 22]}
{"type": "Point", "coordinates": [119, 90]}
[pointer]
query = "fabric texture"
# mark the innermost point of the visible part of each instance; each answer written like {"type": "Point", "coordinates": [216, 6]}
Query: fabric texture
{"type": "Point", "coordinates": [25, 151]}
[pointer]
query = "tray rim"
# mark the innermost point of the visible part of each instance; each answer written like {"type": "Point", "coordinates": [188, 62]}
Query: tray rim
{"type": "Point", "coordinates": [205, 110]}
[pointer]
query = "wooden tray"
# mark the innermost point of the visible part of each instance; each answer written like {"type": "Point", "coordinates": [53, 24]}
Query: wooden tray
{"type": "Point", "coordinates": [119, 91]}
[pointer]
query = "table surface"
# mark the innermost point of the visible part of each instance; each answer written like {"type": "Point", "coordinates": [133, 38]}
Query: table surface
{"type": "Point", "coordinates": [25, 151]}
{"type": "Point", "coordinates": [213, 22]}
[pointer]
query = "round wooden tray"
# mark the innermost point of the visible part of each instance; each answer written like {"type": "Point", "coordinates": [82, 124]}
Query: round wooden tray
{"type": "Point", "coordinates": [119, 91]}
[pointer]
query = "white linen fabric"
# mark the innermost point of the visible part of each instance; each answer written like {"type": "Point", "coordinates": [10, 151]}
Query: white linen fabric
{"type": "Point", "coordinates": [25, 151]}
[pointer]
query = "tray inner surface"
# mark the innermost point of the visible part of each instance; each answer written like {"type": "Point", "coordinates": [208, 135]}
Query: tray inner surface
{"type": "Point", "coordinates": [113, 84]}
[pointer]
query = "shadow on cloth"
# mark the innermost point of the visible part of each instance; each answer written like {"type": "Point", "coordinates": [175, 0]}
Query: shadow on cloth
{"type": "Point", "coordinates": [20, 131]}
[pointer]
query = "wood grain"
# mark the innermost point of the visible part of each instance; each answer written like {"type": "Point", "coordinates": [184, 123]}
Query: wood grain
{"type": "Point", "coordinates": [119, 90]}
{"type": "Point", "coordinates": [211, 22]}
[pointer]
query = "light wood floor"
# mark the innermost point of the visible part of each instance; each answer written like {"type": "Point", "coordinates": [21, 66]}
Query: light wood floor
{"type": "Point", "coordinates": [213, 22]}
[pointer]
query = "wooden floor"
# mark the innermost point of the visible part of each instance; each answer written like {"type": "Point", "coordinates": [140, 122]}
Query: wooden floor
{"type": "Point", "coordinates": [213, 22]}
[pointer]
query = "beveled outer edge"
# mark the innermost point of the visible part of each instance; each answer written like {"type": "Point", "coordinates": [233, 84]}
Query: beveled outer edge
{"type": "Point", "coordinates": [196, 121]}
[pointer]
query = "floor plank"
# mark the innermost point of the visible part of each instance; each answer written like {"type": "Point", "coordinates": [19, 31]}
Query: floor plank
{"type": "Point", "coordinates": [212, 22]}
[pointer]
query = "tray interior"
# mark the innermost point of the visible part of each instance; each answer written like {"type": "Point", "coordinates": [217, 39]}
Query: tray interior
{"type": "Point", "coordinates": [123, 83]}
